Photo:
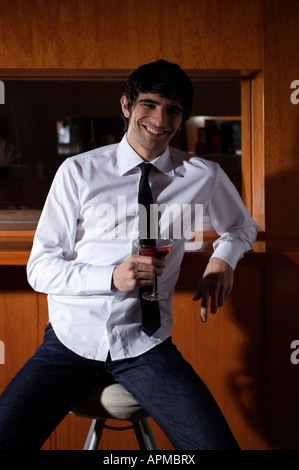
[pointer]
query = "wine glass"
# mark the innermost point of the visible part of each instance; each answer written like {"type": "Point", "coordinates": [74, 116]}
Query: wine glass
{"type": "Point", "coordinates": [159, 249]}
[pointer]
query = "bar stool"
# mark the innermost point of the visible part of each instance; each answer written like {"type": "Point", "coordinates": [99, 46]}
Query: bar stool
{"type": "Point", "coordinates": [113, 401]}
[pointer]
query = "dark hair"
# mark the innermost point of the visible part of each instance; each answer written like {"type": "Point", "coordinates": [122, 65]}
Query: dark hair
{"type": "Point", "coordinates": [164, 78]}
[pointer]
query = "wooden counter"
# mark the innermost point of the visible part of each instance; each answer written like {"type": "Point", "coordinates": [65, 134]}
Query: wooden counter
{"type": "Point", "coordinates": [15, 247]}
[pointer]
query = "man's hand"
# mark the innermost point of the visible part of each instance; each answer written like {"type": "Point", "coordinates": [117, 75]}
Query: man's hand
{"type": "Point", "coordinates": [216, 282]}
{"type": "Point", "coordinates": [136, 271]}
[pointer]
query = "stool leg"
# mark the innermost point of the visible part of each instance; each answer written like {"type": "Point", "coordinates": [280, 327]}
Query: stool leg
{"type": "Point", "coordinates": [94, 434]}
{"type": "Point", "coordinates": [144, 435]}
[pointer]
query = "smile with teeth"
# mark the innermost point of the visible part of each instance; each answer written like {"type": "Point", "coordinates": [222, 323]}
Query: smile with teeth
{"type": "Point", "coordinates": [154, 131]}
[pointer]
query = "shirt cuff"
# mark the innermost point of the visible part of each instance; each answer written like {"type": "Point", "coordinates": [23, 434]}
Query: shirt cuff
{"type": "Point", "coordinates": [229, 252]}
{"type": "Point", "coordinates": [99, 280]}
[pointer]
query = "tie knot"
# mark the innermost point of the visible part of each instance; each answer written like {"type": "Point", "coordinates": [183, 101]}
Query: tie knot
{"type": "Point", "coordinates": [145, 168]}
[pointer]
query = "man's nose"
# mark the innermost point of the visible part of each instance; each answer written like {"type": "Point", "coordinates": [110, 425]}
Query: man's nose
{"type": "Point", "coordinates": [159, 117]}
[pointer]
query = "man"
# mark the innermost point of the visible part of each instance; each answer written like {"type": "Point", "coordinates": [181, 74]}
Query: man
{"type": "Point", "coordinates": [83, 257]}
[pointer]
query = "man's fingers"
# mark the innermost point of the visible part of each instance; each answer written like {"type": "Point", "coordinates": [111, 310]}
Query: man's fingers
{"type": "Point", "coordinates": [214, 303]}
{"type": "Point", "coordinates": [222, 296]}
{"type": "Point", "coordinates": [204, 309]}
{"type": "Point", "coordinates": [203, 293]}
{"type": "Point", "coordinates": [136, 271]}
{"type": "Point", "coordinates": [145, 277]}
{"type": "Point", "coordinates": [217, 298]}
{"type": "Point", "coordinates": [199, 291]}
{"type": "Point", "coordinates": [214, 287]}
{"type": "Point", "coordinates": [148, 266]}
{"type": "Point", "coordinates": [148, 261]}
{"type": "Point", "coordinates": [205, 301]}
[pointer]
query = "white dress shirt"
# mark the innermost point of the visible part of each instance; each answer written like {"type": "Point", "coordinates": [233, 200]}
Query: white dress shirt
{"type": "Point", "coordinates": [86, 229]}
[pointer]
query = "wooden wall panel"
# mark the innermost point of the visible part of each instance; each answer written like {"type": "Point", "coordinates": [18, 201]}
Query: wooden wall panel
{"type": "Point", "coordinates": [18, 322]}
{"type": "Point", "coordinates": [281, 125]}
{"type": "Point", "coordinates": [282, 320]}
{"type": "Point", "coordinates": [281, 68]}
{"type": "Point", "coordinates": [257, 151]}
{"type": "Point", "coordinates": [118, 34]}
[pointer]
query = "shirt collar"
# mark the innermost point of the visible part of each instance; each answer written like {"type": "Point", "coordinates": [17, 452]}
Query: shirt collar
{"type": "Point", "coordinates": [128, 159]}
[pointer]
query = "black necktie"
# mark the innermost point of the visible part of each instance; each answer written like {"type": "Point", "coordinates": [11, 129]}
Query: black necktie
{"type": "Point", "coordinates": [150, 309]}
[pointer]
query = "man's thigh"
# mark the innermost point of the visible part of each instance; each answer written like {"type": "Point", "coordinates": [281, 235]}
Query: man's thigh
{"type": "Point", "coordinates": [166, 385]}
{"type": "Point", "coordinates": [43, 392]}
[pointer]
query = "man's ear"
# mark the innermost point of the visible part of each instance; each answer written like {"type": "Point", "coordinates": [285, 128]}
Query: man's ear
{"type": "Point", "coordinates": [124, 107]}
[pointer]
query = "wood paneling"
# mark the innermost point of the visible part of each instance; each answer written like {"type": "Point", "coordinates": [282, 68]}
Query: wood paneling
{"type": "Point", "coordinates": [281, 67]}
{"type": "Point", "coordinates": [18, 321]}
{"type": "Point", "coordinates": [281, 152]}
{"type": "Point", "coordinates": [282, 320]}
{"type": "Point", "coordinates": [246, 143]}
{"type": "Point", "coordinates": [116, 34]}
{"type": "Point", "coordinates": [257, 151]}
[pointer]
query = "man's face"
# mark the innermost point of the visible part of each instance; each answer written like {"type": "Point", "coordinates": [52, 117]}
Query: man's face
{"type": "Point", "coordinates": [153, 121]}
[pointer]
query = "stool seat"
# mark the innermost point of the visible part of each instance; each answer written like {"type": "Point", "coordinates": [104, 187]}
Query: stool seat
{"type": "Point", "coordinates": [113, 401]}
{"type": "Point", "coordinates": [110, 401]}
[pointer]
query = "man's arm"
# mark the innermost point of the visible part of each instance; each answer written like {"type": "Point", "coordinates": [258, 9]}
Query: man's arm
{"type": "Point", "coordinates": [52, 267]}
{"type": "Point", "coordinates": [237, 231]}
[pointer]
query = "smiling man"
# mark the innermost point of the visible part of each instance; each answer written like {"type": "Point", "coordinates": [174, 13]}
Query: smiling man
{"type": "Point", "coordinates": [154, 120]}
{"type": "Point", "coordinates": [93, 279]}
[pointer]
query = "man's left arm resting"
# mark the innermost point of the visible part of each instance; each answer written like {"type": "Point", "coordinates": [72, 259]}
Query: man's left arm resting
{"type": "Point", "coordinates": [237, 231]}
{"type": "Point", "coordinates": [216, 282]}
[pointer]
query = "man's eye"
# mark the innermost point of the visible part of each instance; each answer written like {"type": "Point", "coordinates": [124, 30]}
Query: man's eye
{"type": "Point", "coordinates": [174, 111]}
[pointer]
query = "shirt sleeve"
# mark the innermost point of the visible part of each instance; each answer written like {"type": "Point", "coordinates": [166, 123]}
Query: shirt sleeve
{"type": "Point", "coordinates": [231, 220]}
{"type": "Point", "coordinates": [52, 266]}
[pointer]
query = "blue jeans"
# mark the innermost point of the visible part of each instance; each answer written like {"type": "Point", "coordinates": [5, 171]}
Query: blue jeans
{"type": "Point", "coordinates": [55, 379]}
